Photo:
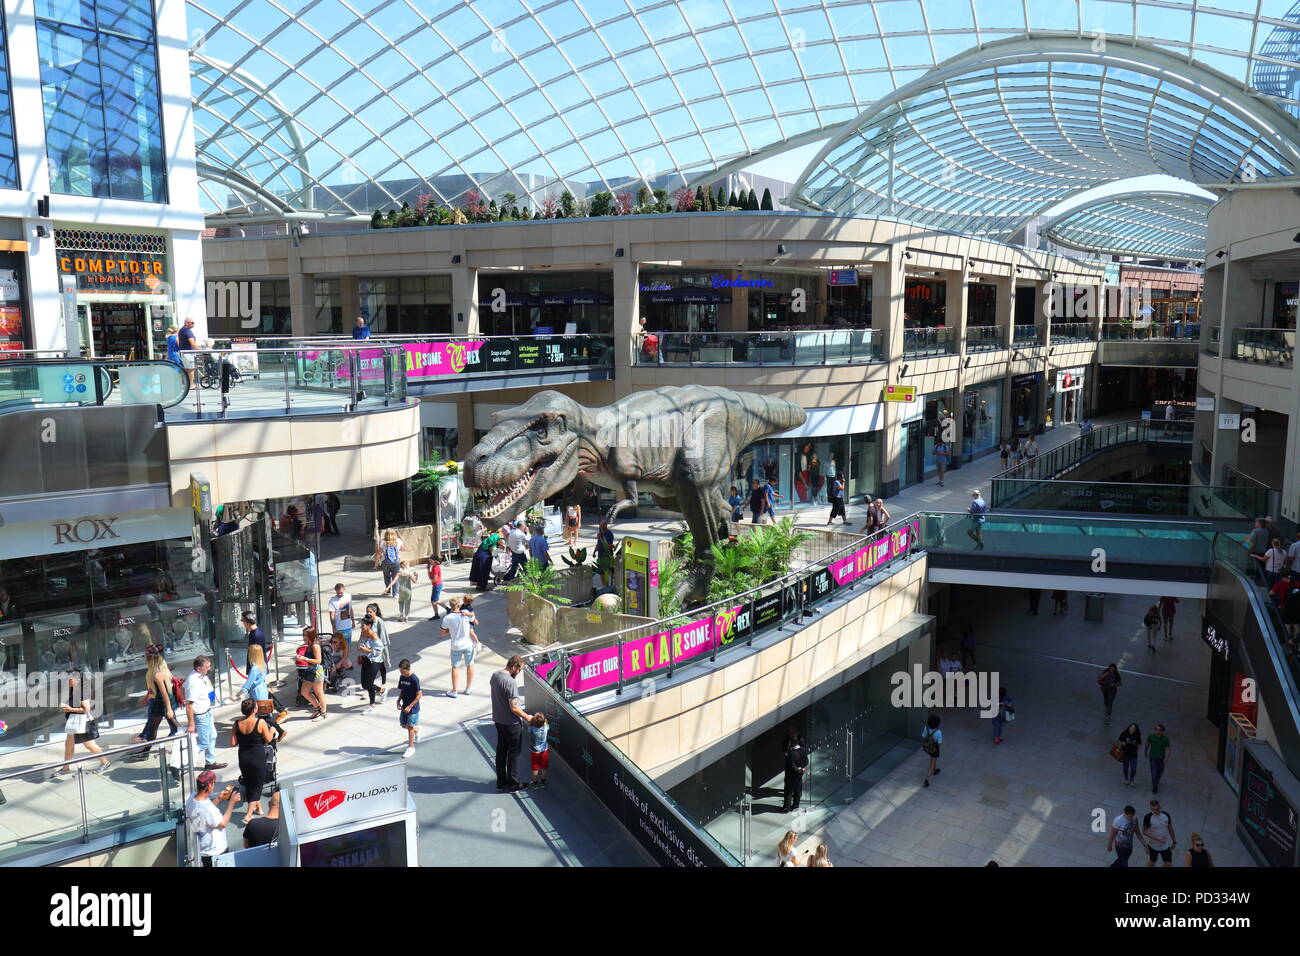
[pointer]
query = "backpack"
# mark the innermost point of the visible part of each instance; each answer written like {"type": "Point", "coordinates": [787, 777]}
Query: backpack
{"type": "Point", "coordinates": [1151, 620]}
{"type": "Point", "coordinates": [178, 689]}
{"type": "Point", "coordinates": [928, 743]}
{"type": "Point", "coordinates": [650, 344]}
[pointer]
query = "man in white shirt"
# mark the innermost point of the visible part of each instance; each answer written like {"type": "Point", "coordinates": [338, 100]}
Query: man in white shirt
{"type": "Point", "coordinates": [341, 618]}
{"type": "Point", "coordinates": [464, 643]}
{"type": "Point", "coordinates": [199, 700]}
{"type": "Point", "coordinates": [517, 542]}
{"type": "Point", "coordinates": [207, 822]}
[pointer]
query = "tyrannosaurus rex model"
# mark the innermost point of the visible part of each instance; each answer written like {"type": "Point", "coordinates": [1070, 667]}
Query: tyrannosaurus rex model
{"type": "Point", "coordinates": [678, 443]}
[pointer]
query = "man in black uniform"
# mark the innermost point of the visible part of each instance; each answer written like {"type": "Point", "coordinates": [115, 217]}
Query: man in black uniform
{"type": "Point", "coordinates": [796, 765]}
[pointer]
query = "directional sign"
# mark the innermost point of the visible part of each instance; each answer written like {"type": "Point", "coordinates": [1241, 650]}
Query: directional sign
{"type": "Point", "coordinates": [900, 393]}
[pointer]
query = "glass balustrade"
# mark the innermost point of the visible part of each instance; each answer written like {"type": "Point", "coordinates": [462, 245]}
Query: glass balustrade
{"type": "Point", "coordinates": [1268, 346]}
{"type": "Point", "coordinates": [919, 342]}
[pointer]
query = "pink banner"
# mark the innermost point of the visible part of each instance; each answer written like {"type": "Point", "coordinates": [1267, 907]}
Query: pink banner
{"type": "Point", "coordinates": [594, 669]}
{"type": "Point", "coordinates": [423, 360]}
{"type": "Point", "coordinates": [879, 552]}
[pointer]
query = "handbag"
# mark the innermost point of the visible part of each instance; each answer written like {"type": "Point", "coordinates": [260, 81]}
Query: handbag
{"type": "Point", "coordinates": [90, 733]}
{"type": "Point", "coordinates": [1117, 750]}
{"type": "Point", "coordinates": [76, 724]}
{"type": "Point", "coordinates": [265, 706]}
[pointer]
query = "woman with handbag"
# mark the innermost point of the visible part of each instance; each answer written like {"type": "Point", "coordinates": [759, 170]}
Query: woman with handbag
{"type": "Point", "coordinates": [311, 663]}
{"type": "Point", "coordinates": [1126, 751]}
{"type": "Point", "coordinates": [1151, 621]}
{"type": "Point", "coordinates": [256, 689]}
{"type": "Point", "coordinates": [251, 734]}
{"type": "Point", "coordinates": [161, 690]}
{"type": "Point", "coordinates": [388, 558]}
{"type": "Point", "coordinates": [380, 655]}
{"type": "Point", "coordinates": [931, 739]}
{"type": "Point", "coordinates": [81, 726]}
{"type": "Point", "coordinates": [1006, 712]}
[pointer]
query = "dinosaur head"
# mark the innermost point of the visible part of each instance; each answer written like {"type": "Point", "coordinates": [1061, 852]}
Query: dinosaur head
{"type": "Point", "coordinates": [530, 454]}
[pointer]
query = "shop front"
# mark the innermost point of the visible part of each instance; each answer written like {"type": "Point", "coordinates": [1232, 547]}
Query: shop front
{"type": "Point", "coordinates": [88, 594]}
{"type": "Point", "coordinates": [800, 468]}
{"type": "Point", "coordinates": [981, 419]}
{"type": "Point", "coordinates": [848, 299]}
{"type": "Point", "coordinates": [1026, 400]}
{"type": "Point", "coordinates": [673, 301]}
{"type": "Point", "coordinates": [780, 301]}
{"type": "Point", "coordinates": [122, 282]}
{"type": "Point", "coordinates": [918, 435]}
{"type": "Point", "coordinates": [14, 306]}
{"type": "Point", "coordinates": [1069, 400]}
{"type": "Point", "coordinates": [547, 303]}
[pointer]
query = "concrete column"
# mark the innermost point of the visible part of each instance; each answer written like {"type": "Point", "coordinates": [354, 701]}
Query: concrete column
{"type": "Point", "coordinates": [464, 427]}
{"type": "Point", "coordinates": [350, 303]}
{"type": "Point", "coordinates": [627, 320]}
{"type": "Point", "coordinates": [957, 315]}
{"type": "Point", "coordinates": [302, 298]}
{"type": "Point", "coordinates": [1043, 311]}
{"type": "Point", "coordinates": [1225, 442]}
{"type": "Point", "coordinates": [887, 287]}
{"type": "Point", "coordinates": [733, 316]}
{"type": "Point", "coordinates": [464, 300]}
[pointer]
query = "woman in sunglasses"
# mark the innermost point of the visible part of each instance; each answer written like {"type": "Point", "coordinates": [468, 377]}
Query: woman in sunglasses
{"type": "Point", "coordinates": [1197, 855]}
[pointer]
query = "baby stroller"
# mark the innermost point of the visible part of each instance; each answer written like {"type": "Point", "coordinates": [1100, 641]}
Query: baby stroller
{"type": "Point", "coordinates": [501, 565]}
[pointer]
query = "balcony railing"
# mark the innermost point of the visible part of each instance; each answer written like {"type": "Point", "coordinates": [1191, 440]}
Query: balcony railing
{"type": "Point", "coordinates": [1071, 332]}
{"type": "Point", "coordinates": [928, 341]}
{"type": "Point", "coordinates": [1025, 335]}
{"type": "Point", "coordinates": [435, 358]}
{"type": "Point", "coordinates": [829, 347]}
{"type": "Point", "coordinates": [226, 382]}
{"type": "Point", "coordinates": [1212, 342]}
{"type": "Point", "coordinates": [1150, 331]}
{"type": "Point", "coordinates": [1269, 346]}
{"type": "Point", "coordinates": [984, 338]}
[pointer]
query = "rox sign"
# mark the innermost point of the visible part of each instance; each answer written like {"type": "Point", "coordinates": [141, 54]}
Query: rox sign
{"type": "Point", "coordinates": [84, 531]}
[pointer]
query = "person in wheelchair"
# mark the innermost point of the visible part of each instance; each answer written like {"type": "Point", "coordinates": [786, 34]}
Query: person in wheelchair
{"type": "Point", "coordinates": [214, 368]}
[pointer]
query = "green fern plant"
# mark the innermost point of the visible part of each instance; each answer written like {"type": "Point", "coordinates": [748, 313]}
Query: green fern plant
{"type": "Point", "coordinates": [538, 578]}
{"type": "Point", "coordinates": [433, 474]}
{"type": "Point", "coordinates": [575, 557]}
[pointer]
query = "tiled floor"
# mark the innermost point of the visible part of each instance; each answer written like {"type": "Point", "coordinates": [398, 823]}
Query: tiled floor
{"type": "Point", "coordinates": [1035, 799]}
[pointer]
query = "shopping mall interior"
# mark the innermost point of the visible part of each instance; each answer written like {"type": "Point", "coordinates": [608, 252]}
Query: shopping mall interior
{"type": "Point", "coordinates": [272, 275]}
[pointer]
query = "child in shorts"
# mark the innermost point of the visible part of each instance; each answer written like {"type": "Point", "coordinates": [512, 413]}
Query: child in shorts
{"type": "Point", "coordinates": [541, 751]}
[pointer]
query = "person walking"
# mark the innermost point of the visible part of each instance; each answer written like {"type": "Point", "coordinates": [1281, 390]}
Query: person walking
{"type": "Point", "coordinates": [199, 700]}
{"type": "Point", "coordinates": [968, 647]}
{"type": "Point", "coordinates": [342, 618]}
{"type": "Point", "coordinates": [1293, 554]}
{"type": "Point", "coordinates": [435, 585]}
{"type": "Point", "coordinates": [1130, 739]}
{"type": "Point", "coordinates": [572, 524]}
{"type": "Point", "coordinates": [406, 578]}
{"type": "Point", "coordinates": [539, 549]}
{"type": "Point", "coordinates": [1197, 855]}
{"type": "Point", "coordinates": [366, 647]}
{"type": "Point", "coordinates": [1258, 541]}
{"type": "Point", "coordinates": [785, 849]}
{"type": "Point", "coordinates": [978, 510]}
{"type": "Point", "coordinates": [388, 559]}
{"type": "Point", "coordinates": [1157, 751]}
{"type": "Point", "coordinates": [1004, 451]}
{"type": "Point", "coordinates": [258, 691]}
{"type": "Point", "coordinates": [1031, 448]}
{"type": "Point", "coordinates": [1123, 831]}
{"type": "Point", "coordinates": [1035, 595]}
{"type": "Point", "coordinates": [332, 507]}
{"type": "Point", "coordinates": [931, 741]}
{"type": "Point", "coordinates": [1168, 608]}
{"type": "Point", "coordinates": [773, 496]}
{"type": "Point", "coordinates": [1109, 681]}
{"type": "Point", "coordinates": [1151, 621]}
{"type": "Point", "coordinates": [409, 695]}
{"type": "Point", "coordinates": [509, 718]}
{"type": "Point", "coordinates": [310, 661]}
{"type": "Point", "coordinates": [517, 545]}
{"type": "Point", "coordinates": [734, 501]}
{"type": "Point", "coordinates": [941, 459]}
{"type": "Point", "coordinates": [173, 345]}
{"type": "Point", "coordinates": [458, 625]}
{"type": "Point", "coordinates": [1060, 602]}
{"type": "Point", "coordinates": [757, 501]}
{"type": "Point", "coordinates": [821, 857]}
{"type": "Point", "coordinates": [1006, 711]}
{"type": "Point", "coordinates": [187, 347]}
{"type": "Point", "coordinates": [361, 331]}
{"type": "Point", "coordinates": [835, 494]}
{"type": "Point", "coordinates": [1158, 829]}
{"type": "Point", "coordinates": [255, 635]}
{"type": "Point", "coordinates": [80, 726]}
{"type": "Point", "coordinates": [796, 765]}
{"type": "Point", "coordinates": [251, 734]}
{"type": "Point", "coordinates": [160, 688]}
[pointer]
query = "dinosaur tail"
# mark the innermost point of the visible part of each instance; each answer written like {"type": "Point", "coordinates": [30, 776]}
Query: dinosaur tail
{"type": "Point", "coordinates": [768, 415]}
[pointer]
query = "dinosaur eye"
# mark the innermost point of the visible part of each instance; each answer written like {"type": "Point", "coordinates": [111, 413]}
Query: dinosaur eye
{"type": "Point", "coordinates": [540, 429]}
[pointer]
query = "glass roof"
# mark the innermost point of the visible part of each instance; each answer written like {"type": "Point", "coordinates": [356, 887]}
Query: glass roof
{"type": "Point", "coordinates": [1163, 225]}
{"type": "Point", "coordinates": [343, 106]}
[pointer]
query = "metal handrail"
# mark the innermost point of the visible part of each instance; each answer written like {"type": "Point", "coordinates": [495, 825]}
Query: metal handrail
{"type": "Point", "coordinates": [703, 608]}
{"type": "Point", "coordinates": [86, 758]}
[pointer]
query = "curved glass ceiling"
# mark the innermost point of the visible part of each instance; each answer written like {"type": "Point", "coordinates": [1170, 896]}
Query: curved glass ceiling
{"type": "Point", "coordinates": [1164, 225]}
{"type": "Point", "coordinates": [343, 107]}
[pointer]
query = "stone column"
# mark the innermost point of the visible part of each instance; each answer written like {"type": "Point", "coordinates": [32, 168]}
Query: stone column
{"type": "Point", "coordinates": [887, 320]}
{"type": "Point", "coordinates": [350, 303]}
{"type": "Point", "coordinates": [1005, 307]}
{"type": "Point", "coordinates": [957, 309]}
{"type": "Point", "coordinates": [627, 316]}
{"type": "Point", "coordinates": [302, 298]}
{"type": "Point", "coordinates": [464, 300]}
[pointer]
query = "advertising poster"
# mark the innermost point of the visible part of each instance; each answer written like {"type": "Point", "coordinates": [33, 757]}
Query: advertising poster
{"type": "Point", "coordinates": [636, 576]}
{"type": "Point", "coordinates": [1266, 814]}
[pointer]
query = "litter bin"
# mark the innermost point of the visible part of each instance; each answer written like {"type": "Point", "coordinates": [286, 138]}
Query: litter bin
{"type": "Point", "coordinates": [1094, 608]}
